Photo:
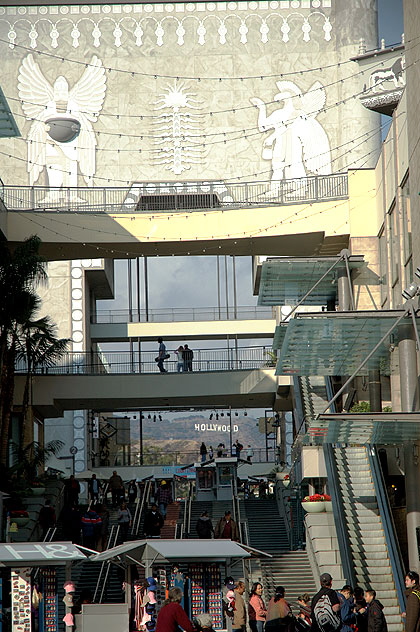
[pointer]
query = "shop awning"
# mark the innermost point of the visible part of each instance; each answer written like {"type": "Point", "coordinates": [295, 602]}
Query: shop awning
{"type": "Point", "coordinates": [151, 551]}
{"type": "Point", "coordinates": [336, 343]}
{"type": "Point", "coordinates": [286, 280]}
{"type": "Point", "coordinates": [8, 126]}
{"type": "Point", "coordinates": [363, 428]}
{"type": "Point", "coordinates": [39, 554]}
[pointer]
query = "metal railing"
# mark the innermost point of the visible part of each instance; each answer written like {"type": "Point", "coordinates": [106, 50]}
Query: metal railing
{"type": "Point", "coordinates": [105, 566]}
{"type": "Point", "coordinates": [165, 457]}
{"type": "Point", "coordinates": [182, 314]}
{"type": "Point", "coordinates": [140, 508]}
{"type": "Point", "coordinates": [167, 197]}
{"type": "Point", "coordinates": [125, 362]}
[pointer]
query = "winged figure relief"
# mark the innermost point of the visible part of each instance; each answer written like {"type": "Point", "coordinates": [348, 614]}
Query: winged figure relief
{"type": "Point", "coordinates": [61, 138]}
{"type": "Point", "coordinates": [297, 145]}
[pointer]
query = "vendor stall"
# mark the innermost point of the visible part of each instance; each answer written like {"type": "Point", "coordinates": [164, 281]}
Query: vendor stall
{"type": "Point", "coordinates": [198, 567]}
{"type": "Point", "coordinates": [37, 599]}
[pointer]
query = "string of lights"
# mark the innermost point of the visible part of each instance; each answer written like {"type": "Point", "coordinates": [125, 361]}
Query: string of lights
{"type": "Point", "coordinates": [293, 217]}
{"type": "Point", "coordinates": [365, 136]}
{"type": "Point", "coordinates": [136, 73]}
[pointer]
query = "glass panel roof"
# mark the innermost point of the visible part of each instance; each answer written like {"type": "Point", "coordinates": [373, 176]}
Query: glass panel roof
{"type": "Point", "coordinates": [336, 343]}
{"type": "Point", "coordinates": [363, 428]}
{"type": "Point", "coordinates": [285, 280]}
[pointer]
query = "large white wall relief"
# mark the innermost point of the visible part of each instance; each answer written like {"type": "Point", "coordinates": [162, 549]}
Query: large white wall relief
{"type": "Point", "coordinates": [61, 139]}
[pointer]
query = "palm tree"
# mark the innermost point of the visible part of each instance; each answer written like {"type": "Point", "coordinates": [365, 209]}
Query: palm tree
{"type": "Point", "coordinates": [28, 459]}
{"type": "Point", "coordinates": [37, 345]}
{"type": "Point", "coordinates": [21, 336]}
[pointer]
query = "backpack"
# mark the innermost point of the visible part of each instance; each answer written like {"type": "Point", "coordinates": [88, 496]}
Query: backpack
{"type": "Point", "coordinates": [325, 617]}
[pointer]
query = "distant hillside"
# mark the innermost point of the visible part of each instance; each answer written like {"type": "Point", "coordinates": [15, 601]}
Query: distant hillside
{"type": "Point", "coordinates": [186, 433]}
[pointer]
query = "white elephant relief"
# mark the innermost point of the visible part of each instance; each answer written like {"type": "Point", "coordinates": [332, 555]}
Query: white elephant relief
{"type": "Point", "coordinates": [61, 139]}
{"type": "Point", "coordinates": [298, 146]}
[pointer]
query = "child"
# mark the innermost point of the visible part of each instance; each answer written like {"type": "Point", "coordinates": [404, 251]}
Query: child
{"type": "Point", "coordinates": [376, 621]}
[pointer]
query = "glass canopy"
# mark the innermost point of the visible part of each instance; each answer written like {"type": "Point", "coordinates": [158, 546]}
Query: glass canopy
{"type": "Point", "coordinates": [336, 343]}
{"type": "Point", "coordinates": [285, 280]}
{"type": "Point", "coordinates": [363, 428]}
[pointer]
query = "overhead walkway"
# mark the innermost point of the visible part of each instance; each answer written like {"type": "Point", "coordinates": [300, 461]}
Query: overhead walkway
{"type": "Point", "coordinates": [300, 223]}
{"type": "Point", "coordinates": [249, 388]}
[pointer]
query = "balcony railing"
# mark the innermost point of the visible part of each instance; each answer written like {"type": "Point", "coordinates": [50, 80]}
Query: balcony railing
{"type": "Point", "coordinates": [115, 362]}
{"type": "Point", "coordinates": [158, 457]}
{"type": "Point", "coordinates": [182, 314]}
{"type": "Point", "coordinates": [167, 197]}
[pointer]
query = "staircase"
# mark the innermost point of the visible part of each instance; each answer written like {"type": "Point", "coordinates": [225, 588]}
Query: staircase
{"type": "Point", "coordinates": [216, 510]}
{"type": "Point", "coordinates": [292, 570]}
{"type": "Point", "coordinates": [169, 528]}
{"type": "Point", "coordinates": [266, 529]}
{"type": "Point", "coordinates": [364, 528]}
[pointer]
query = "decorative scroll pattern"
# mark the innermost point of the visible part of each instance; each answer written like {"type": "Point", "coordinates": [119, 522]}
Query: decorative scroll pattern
{"type": "Point", "coordinates": [230, 27]}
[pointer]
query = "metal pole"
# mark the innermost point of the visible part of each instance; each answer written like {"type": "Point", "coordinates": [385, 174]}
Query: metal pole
{"type": "Point", "coordinates": [375, 391]}
{"type": "Point", "coordinates": [218, 285]}
{"type": "Point", "coordinates": [349, 286]}
{"type": "Point", "coordinates": [226, 288]}
{"type": "Point", "coordinates": [362, 364]}
{"type": "Point", "coordinates": [235, 305]}
{"type": "Point", "coordinates": [343, 291]}
{"type": "Point", "coordinates": [146, 290]}
{"type": "Point", "coordinates": [138, 286]}
{"type": "Point", "coordinates": [130, 291]}
{"type": "Point", "coordinates": [230, 429]}
{"type": "Point", "coordinates": [141, 435]}
{"type": "Point", "coordinates": [409, 403]}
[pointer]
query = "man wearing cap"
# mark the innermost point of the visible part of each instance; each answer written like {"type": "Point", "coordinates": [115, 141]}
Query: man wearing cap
{"type": "Point", "coordinates": [325, 608]}
{"type": "Point", "coordinates": [163, 498]}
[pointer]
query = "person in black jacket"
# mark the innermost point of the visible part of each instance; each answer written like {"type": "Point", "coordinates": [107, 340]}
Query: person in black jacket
{"type": "Point", "coordinates": [376, 621]}
{"type": "Point", "coordinates": [204, 526]}
{"type": "Point", "coordinates": [153, 522]}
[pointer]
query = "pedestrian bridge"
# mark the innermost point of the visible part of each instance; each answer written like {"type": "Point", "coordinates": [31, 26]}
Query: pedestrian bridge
{"type": "Point", "coordinates": [52, 394]}
{"type": "Point", "coordinates": [301, 218]}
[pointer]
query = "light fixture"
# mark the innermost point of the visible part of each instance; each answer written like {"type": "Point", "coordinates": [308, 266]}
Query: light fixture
{"type": "Point", "coordinates": [222, 414]}
{"type": "Point", "coordinates": [149, 416]}
{"type": "Point", "coordinates": [160, 417]}
{"type": "Point", "coordinates": [154, 418]}
{"type": "Point", "coordinates": [217, 416]}
{"type": "Point", "coordinates": [410, 291]}
{"type": "Point", "coordinates": [236, 414]}
{"type": "Point", "coordinates": [211, 416]}
{"type": "Point", "coordinates": [245, 414]}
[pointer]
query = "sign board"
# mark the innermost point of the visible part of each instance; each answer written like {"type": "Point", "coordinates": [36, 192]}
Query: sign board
{"type": "Point", "coordinates": [39, 553]}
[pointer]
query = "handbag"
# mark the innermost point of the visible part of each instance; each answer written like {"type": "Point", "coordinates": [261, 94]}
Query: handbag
{"type": "Point", "coordinates": [166, 356]}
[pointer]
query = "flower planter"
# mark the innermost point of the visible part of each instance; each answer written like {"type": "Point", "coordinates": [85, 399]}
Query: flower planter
{"type": "Point", "coordinates": [314, 507]}
{"type": "Point", "coordinates": [328, 506]}
{"type": "Point", "coordinates": [38, 491]}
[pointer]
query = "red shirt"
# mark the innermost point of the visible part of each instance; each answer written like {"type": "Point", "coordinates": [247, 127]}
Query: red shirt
{"type": "Point", "coordinates": [171, 616]}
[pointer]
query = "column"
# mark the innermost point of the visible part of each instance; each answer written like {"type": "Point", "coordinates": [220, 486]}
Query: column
{"type": "Point", "coordinates": [343, 291]}
{"type": "Point", "coordinates": [410, 403]}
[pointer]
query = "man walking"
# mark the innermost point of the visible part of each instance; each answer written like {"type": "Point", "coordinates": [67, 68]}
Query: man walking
{"type": "Point", "coordinates": [325, 609]}
{"type": "Point", "coordinates": [227, 528]}
{"type": "Point", "coordinates": [163, 498]}
{"type": "Point", "coordinates": [188, 356]}
{"type": "Point", "coordinates": [239, 615]}
{"type": "Point", "coordinates": [161, 355]}
{"type": "Point", "coordinates": [412, 617]}
{"type": "Point", "coordinates": [117, 488]}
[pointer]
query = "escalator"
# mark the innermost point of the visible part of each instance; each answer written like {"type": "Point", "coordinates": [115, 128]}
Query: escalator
{"type": "Point", "coordinates": [365, 531]}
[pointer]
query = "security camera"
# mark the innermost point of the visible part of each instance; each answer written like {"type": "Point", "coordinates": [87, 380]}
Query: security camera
{"type": "Point", "coordinates": [410, 291]}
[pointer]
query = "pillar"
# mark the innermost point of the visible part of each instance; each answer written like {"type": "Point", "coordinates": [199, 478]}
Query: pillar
{"type": "Point", "coordinates": [410, 403]}
{"type": "Point", "coordinates": [343, 291]}
{"type": "Point", "coordinates": [375, 393]}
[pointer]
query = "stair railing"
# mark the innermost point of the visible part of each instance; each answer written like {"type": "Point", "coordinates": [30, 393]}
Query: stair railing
{"type": "Point", "coordinates": [106, 566]}
{"type": "Point", "coordinates": [140, 508]}
{"type": "Point", "coordinates": [388, 525]}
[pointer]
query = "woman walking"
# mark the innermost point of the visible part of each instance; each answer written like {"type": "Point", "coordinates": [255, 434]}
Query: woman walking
{"type": "Point", "coordinates": [172, 615]}
{"type": "Point", "coordinates": [279, 614]}
{"type": "Point", "coordinates": [257, 611]}
{"type": "Point", "coordinates": [124, 520]}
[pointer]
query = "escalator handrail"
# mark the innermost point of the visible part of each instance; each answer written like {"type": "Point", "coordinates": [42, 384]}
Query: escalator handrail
{"type": "Point", "coordinates": [140, 509]}
{"type": "Point", "coordinates": [337, 501]}
{"type": "Point", "coordinates": [388, 525]}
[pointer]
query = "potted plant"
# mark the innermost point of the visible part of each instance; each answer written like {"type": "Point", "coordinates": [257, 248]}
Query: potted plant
{"type": "Point", "coordinates": [314, 503]}
{"type": "Point", "coordinates": [286, 480]}
{"type": "Point", "coordinates": [19, 517]}
{"type": "Point", "coordinates": [328, 503]}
